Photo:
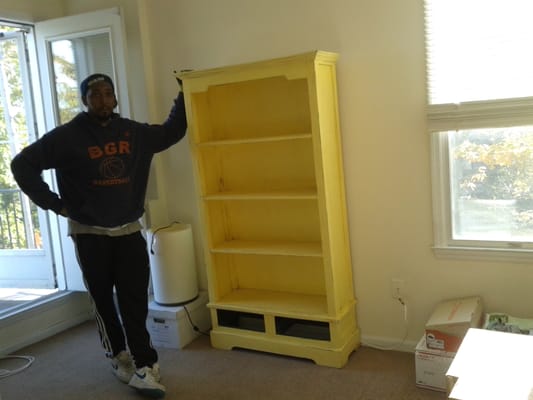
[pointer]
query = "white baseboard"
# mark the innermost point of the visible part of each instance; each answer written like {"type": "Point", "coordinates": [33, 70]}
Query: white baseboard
{"type": "Point", "coordinates": [69, 309]}
{"type": "Point", "coordinates": [384, 343]}
{"type": "Point", "coordinates": [43, 320]}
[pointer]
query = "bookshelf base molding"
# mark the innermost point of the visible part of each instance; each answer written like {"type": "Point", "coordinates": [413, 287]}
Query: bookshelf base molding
{"type": "Point", "coordinates": [327, 344]}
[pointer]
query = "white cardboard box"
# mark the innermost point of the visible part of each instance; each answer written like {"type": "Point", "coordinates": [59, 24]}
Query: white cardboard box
{"type": "Point", "coordinates": [170, 326]}
{"type": "Point", "coordinates": [431, 366]}
{"type": "Point", "coordinates": [492, 365]}
{"type": "Point", "coordinates": [450, 321]}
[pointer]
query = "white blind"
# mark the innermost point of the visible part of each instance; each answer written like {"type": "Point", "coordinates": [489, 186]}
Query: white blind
{"type": "Point", "coordinates": [479, 50]}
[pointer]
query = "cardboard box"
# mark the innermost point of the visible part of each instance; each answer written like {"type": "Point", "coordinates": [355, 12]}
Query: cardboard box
{"type": "Point", "coordinates": [170, 326]}
{"type": "Point", "coordinates": [450, 321]}
{"type": "Point", "coordinates": [492, 365]}
{"type": "Point", "coordinates": [431, 366]}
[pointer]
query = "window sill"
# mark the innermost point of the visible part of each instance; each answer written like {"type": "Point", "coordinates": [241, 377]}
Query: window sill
{"type": "Point", "coordinates": [40, 321]}
{"type": "Point", "coordinates": [484, 254]}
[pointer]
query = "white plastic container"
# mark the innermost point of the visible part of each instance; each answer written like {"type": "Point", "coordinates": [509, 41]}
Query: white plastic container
{"type": "Point", "coordinates": [172, 265]}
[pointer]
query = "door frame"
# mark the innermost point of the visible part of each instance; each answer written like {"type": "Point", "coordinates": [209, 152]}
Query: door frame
{"type": "Point", "coordinates": [68, 273]}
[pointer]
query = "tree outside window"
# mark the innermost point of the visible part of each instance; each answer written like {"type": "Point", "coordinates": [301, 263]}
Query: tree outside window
{"type": "Point", "coordinates": [19, 226]}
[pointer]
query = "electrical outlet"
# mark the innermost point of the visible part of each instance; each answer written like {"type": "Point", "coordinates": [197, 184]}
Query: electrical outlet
{"type": "Point", "coordinates": [397, 288]}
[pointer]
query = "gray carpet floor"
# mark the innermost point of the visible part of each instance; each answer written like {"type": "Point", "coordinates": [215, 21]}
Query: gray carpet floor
{"type": "Point", "coordinates": [71, 365]}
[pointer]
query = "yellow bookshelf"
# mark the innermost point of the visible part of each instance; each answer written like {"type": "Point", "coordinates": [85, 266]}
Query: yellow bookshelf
{"type": "Point", "coordinates": [267, 160]}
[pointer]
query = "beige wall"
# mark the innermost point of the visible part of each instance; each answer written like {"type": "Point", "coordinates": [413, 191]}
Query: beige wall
{"type": "Point", "coordinates": [381, 77]}
{"type": "Point", "coordinates": [31, 10]}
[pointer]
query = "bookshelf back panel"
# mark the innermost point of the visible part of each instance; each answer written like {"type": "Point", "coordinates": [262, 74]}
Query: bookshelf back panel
{"type": "Point", "coordinates": [289, 274]}
{"type": "Point", "coordinates": [267, 167]}
{"type": "Point", "coordinates": [250, 109]}
{"type": "Point", "coordinates": [263, 220]}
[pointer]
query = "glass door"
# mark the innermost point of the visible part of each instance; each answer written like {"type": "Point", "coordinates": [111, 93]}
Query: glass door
{"type": "Point", "coordinates": [25, 247]}
{"type": "Point", "coordinates": [41, 67]}
{"type": "Point", "coordinates": [69, 49]}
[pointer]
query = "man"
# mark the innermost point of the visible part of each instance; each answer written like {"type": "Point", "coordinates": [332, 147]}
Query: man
{"type": "Point", "coordinates": [102, 163]}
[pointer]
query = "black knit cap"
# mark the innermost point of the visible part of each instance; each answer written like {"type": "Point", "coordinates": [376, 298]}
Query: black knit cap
{"type": "Point", "coordinates": [94, 78]}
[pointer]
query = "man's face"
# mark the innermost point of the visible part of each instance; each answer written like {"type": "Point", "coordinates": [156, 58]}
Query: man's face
{"type": "Point", "coordinates": [100, 100]}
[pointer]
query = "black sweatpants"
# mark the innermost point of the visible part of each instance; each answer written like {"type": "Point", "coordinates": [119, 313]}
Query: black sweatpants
{"type": "Point", "coordinates": [120, 263]}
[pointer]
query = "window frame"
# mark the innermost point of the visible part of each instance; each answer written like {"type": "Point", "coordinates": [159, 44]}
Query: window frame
{"type": "Point", "coordinates": [443, 118]}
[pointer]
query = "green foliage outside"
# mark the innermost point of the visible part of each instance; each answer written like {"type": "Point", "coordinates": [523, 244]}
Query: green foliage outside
{"type": "Point", "coordinates": [12, 119]}
{"type": "Point", "coordinates": [16, 232]}
{"type": "Point", "coordinates": [67, 94]}
{"type": "Point", "coordinates": [497, 164]}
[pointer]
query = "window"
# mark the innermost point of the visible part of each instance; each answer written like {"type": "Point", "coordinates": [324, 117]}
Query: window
{"type": "Point", "coordinates": [480, 116]}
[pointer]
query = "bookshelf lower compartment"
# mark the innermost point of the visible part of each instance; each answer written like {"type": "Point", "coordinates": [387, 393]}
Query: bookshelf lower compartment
{"type": "Point", "coordinates": [302, 328]}
{"type": "Point", "coordinates": [241, 320]}
{"type": "Point", "coordinates": [325, 343]}
{"type": "Point", "coordinates": [292, 327]}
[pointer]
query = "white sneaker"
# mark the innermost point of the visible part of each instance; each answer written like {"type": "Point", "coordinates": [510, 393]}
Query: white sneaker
{"type": "Point", "coordinates": [123, 367]}
{"type": "Point", "coordinates": [155, 373]}
{"type": "Point", "coordinates": [146, 381]}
